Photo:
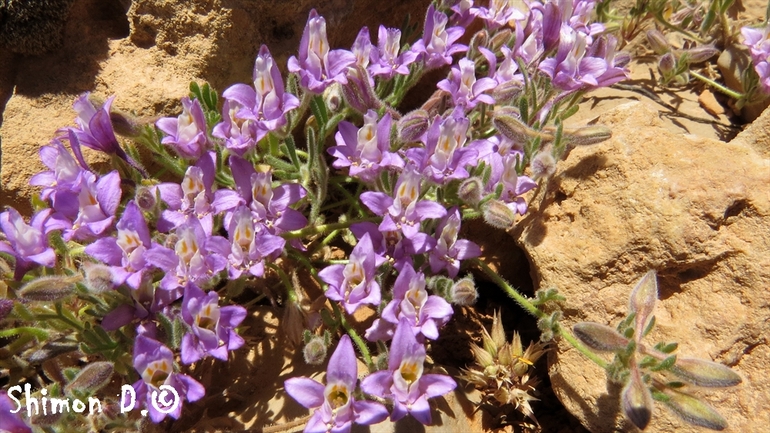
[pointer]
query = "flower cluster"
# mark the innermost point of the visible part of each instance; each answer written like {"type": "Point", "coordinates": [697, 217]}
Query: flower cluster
{"type": "Point", "coordinates": [151, 269]}
{"type": "Point", "coordinates": [759, 47]}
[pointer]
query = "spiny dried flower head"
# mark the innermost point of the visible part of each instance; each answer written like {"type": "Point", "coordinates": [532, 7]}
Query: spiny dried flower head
{"type": "Point", "coordinates": [503, 369]}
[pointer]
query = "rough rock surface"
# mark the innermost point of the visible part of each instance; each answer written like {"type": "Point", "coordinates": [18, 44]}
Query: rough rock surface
{"type": "Point", "coordinates": [148, 57]}
{"type": "Point", "coordinates": [697, 211]}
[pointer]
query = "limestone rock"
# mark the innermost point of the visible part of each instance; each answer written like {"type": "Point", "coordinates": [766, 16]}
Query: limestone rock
{"type": "Point", "coordinates": [694, 210]}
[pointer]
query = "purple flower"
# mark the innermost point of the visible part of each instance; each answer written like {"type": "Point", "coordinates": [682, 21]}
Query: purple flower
{"type": "Point", "coordinates": [269, 205]}
{"type": "Point", "coordinates": [362, 48]}
{"type": "Point", "coordinates": [438, 43]}
{"type": "Point", "coordinates": [336, 407]}
{"type": "Point", "coordinates": [264, 106]}
{"type": "Point", "coordinates": [498, 14]}
{"type": "Point", "coordinates": [572, 69]}
{"type": "Point", "coordinates": [508, 69]}
{"type": "Point", "coordinates": [240, 135]}
{"type": "Point", "coordinates": [212, 326]}
{"type": "Point", "coordinates": [97, 203]}
{"type": "Point", "coordinates": [354, 284]}
{"type": "Point", "coordinates": [319, 67]}
{"type": "Point", "coordinates": [465, 89]}
{"type": "Point", "coordinates": [11, 422]}
{"type": "Point", "coordinates": [424, 314]}
{"type": "Point", "coordinates": [445, 155]}
{"type": "Point", "coordinates": [27, 243]}
{"type": "Point", "coordinates": [759, 47]}
{"type": "Point", "coordinates": [193, 198]}
{"type": "Point", "coordinates": [513, 185]}
{"type": "Point", "coordinates": [366, 150]}
{"type": "Point", "coordinates": [450, 250]}
{"type": "Point", "coordinates": [125, 254]}
{"type": "Point", "coordinates": [386, 61]}
{"type": "Point", "coordinates": [65, 176]}
{"type": "Point", "coordinates": [186, 134]}
{"type": "Point", "coordinates": [251, 243]}
{"type": "Point", "coordinates": [155, 364]}
{"type": "Point", "coordinates": [404, 382]}
{"type": "Point", "coordinates": [396, 248]}
{"type": "Point", "coordinates": [196, 256]}
{"type": "Point", "coordinates": [404, 212]}
{"type": "Point", "coordinates": [95, 127]}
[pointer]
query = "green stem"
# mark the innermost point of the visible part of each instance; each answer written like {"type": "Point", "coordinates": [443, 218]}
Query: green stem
{"type": "Point", "coordinates": [727, 91]}
{"type": "Point", "coordinates": [533, 310]}
{"type": "Point", "coordinates": [322, 228]}
{"type": "Point", "coordinates": [360, 343]}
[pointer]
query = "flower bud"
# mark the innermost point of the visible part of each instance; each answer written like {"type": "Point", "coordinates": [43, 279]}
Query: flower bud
{"type": "Point", "coordinates": [642, 301]}
{"type": "Point", "coordinates": [441, 285]}
{"type": "Point", "coordinates": [658, 41]}
{"type": "Point", "coordinates": [636, 400]}
{"type": "Point", "coordinates": [6, 305]}
{"type": "Point", "coordinates": [498, 215]}
{"type": "Point", "coordinates": [587, 135]}
{"type": "Point", "coordinates": [701, 372]}
{"type": "Point", "coordinates": [358, 92]}
{"type": "Point", "coordinates": [145, 198]}
{"type": "Point", "coordinates": [501, 37]}
{"type": "Point", "coordinates": [332, 98]}
{"type": "Point", "coordinates": [91, 378]}
{"type": "Point", "coordinates": [508, 122]}
{"type": "Point", "coordinates": [315, 351]}
{"type": "Point", "coordinates": [98, 278]}
{"type": "Point", "coordinates": [412, 126]}
{"type": "Point", "coordinates": [599, 337]}
{"type": "Point", "coordinates": [701, 53]}
{"type": "Point", "coordinates": [667, 64]}
{"type": "Point", "coordinates": [694, 411]}
{"type": "Point", "coordinates": [49, 289]}
{"type": "Point", "coordinates": [470, 191]}
{"type": "Point", "coordinates": [543, 165]}
{"type": "Point", "coordinates": [464, 293]}
{"type": "Point", "coordinates": [507, 91]}
{"type": "Point", "coordinates": [125, 124]}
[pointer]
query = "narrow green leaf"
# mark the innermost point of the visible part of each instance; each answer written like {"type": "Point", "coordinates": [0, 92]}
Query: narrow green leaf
{"type": "Point", "coordinates": [318, 107]}
{"type": "Point", "coordinates": [665, 364]}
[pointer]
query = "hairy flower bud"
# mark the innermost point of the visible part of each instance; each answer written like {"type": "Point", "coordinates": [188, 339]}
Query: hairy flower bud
{"type": "Point", "coordinates": [701, 372]}
{"type": "Point", "coordinates": [145, 199]}
{"type": "Point", "coordinates": [587, 135]}
{"type": "Point", "coordinates": [49, 289]}
{"type": "Point", "coordinates": [599, 337]}
{"type": "Point", "coordinates": [91, 378]}
{"type": "Point", "coordinates": [694, 411]}
{"type": "Point", "coordinates": [358, 92]}
{"type": "Point", "coordinates": [501, 37]}
{"type": "Point", "coordinates": [470, 191]}
{"type": "Point", "coordinates": [464, 293]}
{"type": "Point", "coordinates": [543, 165]}
{"type": "Point", "coordinates": [636, 400]}
{"type": "Point", "coordinates": [98, 277]}
{"type": "Point", "coordinates": [658, 41]}
{"type": "Point", "coordinates": [701, 53]}
{"type": "Point", "coordinates": [6, 305]}
{"type": "Point", "coordinates": [498, 215]}
{"type": "Point", "coordinates": [507, 91]}
{"type": "Point", "coordinates": [441, 285]}
{"type": "Point", "coordinates": [125, 124]}
{"type": "Point", "coordinates": [508, 122]}
{"type": "Point", "coordinates": [315, 350]}
{"type": "Point", "coordinates": [332, 97]}
{"type": "Point", "coordinates": [412, 126]}
{"type": "Point", "coordinates": [667, 64]}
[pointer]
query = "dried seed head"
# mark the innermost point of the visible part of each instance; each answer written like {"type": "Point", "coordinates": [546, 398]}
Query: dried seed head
{"type": "Point", "coordinates": [464, 293]}
{"type": "Point", "coordinates": [49, 289]}
{"type": "Point", "coordinates": [315, 351]}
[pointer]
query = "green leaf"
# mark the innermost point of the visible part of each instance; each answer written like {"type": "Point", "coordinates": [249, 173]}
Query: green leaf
{"type": "Point", "coordinates": [666, 364]}
{"type": "Point", "coordinates": [40, 334]}
{"type": "Point", "coordinates": [318, 107]}
{"type": "Point", "coordinates": [666, 348]}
